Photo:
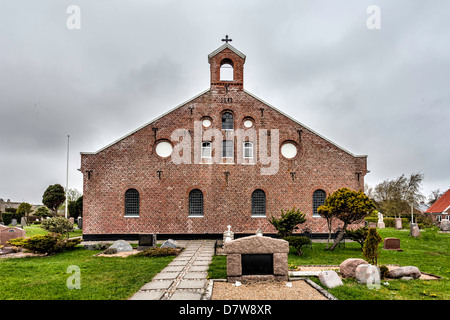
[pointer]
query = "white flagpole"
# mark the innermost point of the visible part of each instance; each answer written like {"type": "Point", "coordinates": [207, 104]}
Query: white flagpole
{"type": "Point", "coordinates": [67, 175]}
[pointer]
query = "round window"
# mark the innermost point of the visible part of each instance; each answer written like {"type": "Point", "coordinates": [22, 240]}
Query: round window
{"type": "Point", "coordinates": [163, 149]}
{"type": "Point", "coordinates": [248, 123]}
{"type": "Point", "coordinates": [206, 123]}
{"type": "Point", "coordinates": [289, 150]}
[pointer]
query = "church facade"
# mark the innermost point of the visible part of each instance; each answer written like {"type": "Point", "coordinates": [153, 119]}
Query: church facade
{"type": "Point", "coordinates": [224, 157]}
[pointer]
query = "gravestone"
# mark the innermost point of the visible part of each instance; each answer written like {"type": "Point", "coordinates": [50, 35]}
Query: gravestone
{"type": "Point", "coordinates": [23, 222]}
{"type": "Point", "coordinates": [380, 223]}
{"type": "Point", "coordinates": [8, 233]}
{"type": "Point", "coordinates": [14, 222]}
{"type": "Point", "coordinates": [80, 222]}
{"type": "Point", "coordinates": [257, 257]}
{"type": "Point", "coordinates": [415, 232]}
{"type": "Point", "coordinates": [228, 235]}
{"type": "Point", "coordinates": [72, 220]}
{"type": "Point", "coordinates": [391, 244]}
{"type": "Point", "coordinates": [398, 223]}
{"type": "Point", "coordinates": [121, 246]}
{"type": "Point", "coordinates": [146, 241]}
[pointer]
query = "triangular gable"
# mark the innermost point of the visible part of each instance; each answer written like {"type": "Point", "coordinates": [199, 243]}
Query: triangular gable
{"type": "Point", "coordinates": [441, 205]}
{"type": "Point", "coordinates": [226, 46]}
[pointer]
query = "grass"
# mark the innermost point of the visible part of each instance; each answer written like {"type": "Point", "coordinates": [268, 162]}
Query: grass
{"type": "Point", "coordinates": [34, 229]}
{"type": "Point", "coordinates": [102, 278]}
{"type": "Point", "coordinates": [430, 253]}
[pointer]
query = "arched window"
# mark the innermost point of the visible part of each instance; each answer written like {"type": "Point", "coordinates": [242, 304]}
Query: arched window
{"type": "Point", "coordinates": [318, 200]}
{"type": "Point", "coordinates": [226, 70]}
{"type": "Point", "coordinates": [227, 121]}
{"type": "Point", "coordinates": [258, 203]}
{"type": "Point", "coordinates": [196, 203]}
{"type": "Point", "coordinates": [132, 203]}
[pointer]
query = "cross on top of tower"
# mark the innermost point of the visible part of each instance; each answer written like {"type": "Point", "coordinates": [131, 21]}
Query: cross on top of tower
{"type": "Point", "coordinates": [226, 39]}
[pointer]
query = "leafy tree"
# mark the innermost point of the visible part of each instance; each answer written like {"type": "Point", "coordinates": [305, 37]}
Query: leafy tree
{"type": "Point", "coordinates": [347, 205]}
{"type": "Point", "coordinates": [42, 212]}
{"type": "Point", "coordinates": [397, 196]}
{"type": "Point", "coordinates": [434, 196]}
{"type": "Point", "coordinates": [288, 222]}
{"type": "Point", "coordinates": [24, 209]}
{"type": "Point", "coordinates": [76, 207]}
{"type": "Point", "coordinates": [53, 197]}
{"type": "Point", "coordinates": [327, 214]}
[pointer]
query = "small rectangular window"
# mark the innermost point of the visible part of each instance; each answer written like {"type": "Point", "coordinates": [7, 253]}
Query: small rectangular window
{"type": "Point", "coordinates": [206, 149]}
{"type": "Point", "coordinates": [248, 150]}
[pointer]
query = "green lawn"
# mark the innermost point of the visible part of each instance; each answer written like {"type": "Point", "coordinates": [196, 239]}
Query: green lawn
{"type": "Point", "coordinates": [102, 278]}
{"type": "Point", "coordinates": [430, 253]}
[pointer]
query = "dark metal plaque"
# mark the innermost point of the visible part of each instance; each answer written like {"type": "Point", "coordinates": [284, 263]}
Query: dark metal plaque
{"type": "Point", "coordinates": [257, 264]}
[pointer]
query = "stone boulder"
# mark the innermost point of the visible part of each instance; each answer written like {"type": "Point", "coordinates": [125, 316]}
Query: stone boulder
{"type": "Point", "coordinates": [121, 246]}
{"type": "Point", "coordinates": [408, 271]}
{"type": "Point", "coordinates": [169, 244]}
{"type": "Point", "coordinates": [348, 267]}
{"type": "Point", "coordinates": [367, 274]}
{"type": "Point", "coordinates": [445, 225]}
{"type": "Point", "coordinates": [330, 279]}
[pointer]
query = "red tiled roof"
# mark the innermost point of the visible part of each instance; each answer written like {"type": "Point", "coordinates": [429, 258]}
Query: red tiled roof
{"type": "Point", "coordinates": [441, 204]}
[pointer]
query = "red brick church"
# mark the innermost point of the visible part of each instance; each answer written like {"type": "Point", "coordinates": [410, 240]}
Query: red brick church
{"type": "Point", "coordinates": [224, 157]}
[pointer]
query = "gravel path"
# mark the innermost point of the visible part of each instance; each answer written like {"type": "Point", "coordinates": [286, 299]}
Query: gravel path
{"type": "Point", "coordinates": [269, 290]}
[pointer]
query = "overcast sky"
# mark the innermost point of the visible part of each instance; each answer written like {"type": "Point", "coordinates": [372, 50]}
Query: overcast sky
{"type": "Point", "coordinates": [381, 92]}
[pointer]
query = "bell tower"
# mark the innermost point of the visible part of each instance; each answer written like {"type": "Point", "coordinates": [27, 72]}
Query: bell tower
{"type": "Point", "coordinates": [227, 68]}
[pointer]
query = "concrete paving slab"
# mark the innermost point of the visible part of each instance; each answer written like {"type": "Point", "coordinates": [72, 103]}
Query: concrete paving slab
{"type": "Point", "coordinates": [148, 295]}
{"type": "Point", "coordinates": [166, 276]}
{"type": "Point", "coordinates": [161, 284]}
{"type": "Point", "coordinates": [195, 275]}
{"type": "Point", "coordinates": [186, 295]}
{"type": "Point", "coordinates": [198, 268]}
{"type": "Point", "coordinates": [192, 284]}
{"type": "Point", "coordinates": [173, 268]}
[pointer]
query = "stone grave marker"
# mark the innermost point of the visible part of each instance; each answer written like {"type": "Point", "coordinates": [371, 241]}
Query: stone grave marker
{"type": "Point", "coordinates": [146, 241]}
{"type": "Point", "coordinates": [80, 222]}
{"type": "Point", "coordinates": [257, 257]}
{"type": "Point", "coordinates": [398, 223]}
{"type": "Point", "coordinates": [392, 244]}
{"type": "Point", "coordinates": [14, 222]}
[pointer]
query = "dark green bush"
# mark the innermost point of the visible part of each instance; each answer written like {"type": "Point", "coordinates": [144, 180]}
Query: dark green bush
{"type": "Point", "coordinates": [58, 225]}
{"type": "Point", "coordinates": [298, 242]}
{"type": "Point", "coordinates": [158, 252]}
{"type": "Point", "coordinates": [288, 222]}
{"type": "Point", "coordinates": [49, 243]}
{"type": "Point", "coordinates": [384, 271]}
{"type": "Point", "coordinates": [370, 247]}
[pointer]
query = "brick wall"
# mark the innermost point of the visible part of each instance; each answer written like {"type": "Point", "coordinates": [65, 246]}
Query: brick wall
{"type": "Point", "coordinates": [164, 197]}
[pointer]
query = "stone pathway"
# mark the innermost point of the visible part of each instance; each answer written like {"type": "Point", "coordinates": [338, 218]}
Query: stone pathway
{"type": "Point", "coordinates": [184, 278]}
